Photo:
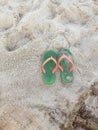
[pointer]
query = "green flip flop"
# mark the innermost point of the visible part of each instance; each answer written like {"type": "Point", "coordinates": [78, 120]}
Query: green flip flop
{"type": "Point", "coordinates": [49, 67]}
{"type": "Point", "coordinates": [66, 65]}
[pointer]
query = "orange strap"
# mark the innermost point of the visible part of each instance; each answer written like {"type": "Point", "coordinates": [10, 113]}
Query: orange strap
{"type": "Point", "coordinates": [50, 58]}
{"type": "Point", "coordinates": [67, 58]}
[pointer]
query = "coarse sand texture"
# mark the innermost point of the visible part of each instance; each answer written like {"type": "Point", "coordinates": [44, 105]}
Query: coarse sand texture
{"type": "Point", "coordinates": [28, 29]}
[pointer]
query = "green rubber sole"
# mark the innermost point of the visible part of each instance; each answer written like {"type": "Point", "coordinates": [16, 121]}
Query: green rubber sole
{"type": "Point", "coordinates": [49, 77]}
{"type": "Point", "coordinates": [66, 75]}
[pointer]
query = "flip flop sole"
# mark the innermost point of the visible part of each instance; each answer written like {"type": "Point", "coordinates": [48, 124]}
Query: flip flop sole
{"type": "Point", "coordinates": [49, 77]}
{"type": "Point", "coordinates": [66, 75]}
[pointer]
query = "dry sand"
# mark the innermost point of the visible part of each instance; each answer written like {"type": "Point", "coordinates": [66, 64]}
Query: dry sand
{"type": "Point", "coordinates": [28, 28]}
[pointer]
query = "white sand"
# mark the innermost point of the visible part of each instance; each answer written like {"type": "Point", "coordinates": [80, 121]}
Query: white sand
{"type": "Point", "coordinates": [28, 28]}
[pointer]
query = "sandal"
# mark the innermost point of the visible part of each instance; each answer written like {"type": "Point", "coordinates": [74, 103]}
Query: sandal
{"type": "Point", "coordinates": [49, 67]}
{"type": "Point", "coordinates": [66, 65]}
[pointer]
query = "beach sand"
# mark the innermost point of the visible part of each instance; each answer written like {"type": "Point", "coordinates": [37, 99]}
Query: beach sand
{"type": "Point", "coordinates": [28, 28]}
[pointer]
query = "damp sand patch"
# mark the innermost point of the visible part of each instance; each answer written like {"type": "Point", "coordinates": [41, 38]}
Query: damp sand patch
{"type": "Point", "coordinates": [85, 113]}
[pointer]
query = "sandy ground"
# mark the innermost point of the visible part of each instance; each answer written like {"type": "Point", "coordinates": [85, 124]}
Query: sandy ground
{"type": "Point", "coordinates": [28, 28]}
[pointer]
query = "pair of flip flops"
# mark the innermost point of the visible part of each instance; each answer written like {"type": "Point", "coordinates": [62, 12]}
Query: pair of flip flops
{"type": "Point", "coordinates": [52, 61]}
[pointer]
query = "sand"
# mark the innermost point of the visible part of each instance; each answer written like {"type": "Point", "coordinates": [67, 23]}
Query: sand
{"type": "Point", "coordinates": [28, 28]}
